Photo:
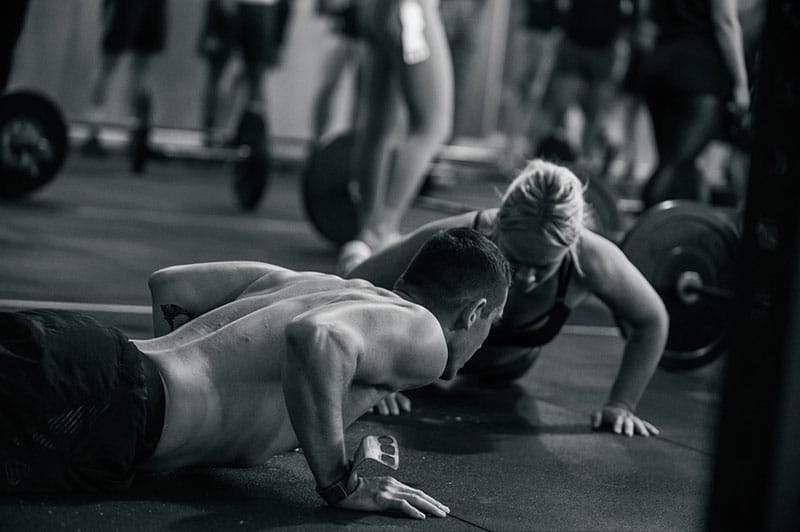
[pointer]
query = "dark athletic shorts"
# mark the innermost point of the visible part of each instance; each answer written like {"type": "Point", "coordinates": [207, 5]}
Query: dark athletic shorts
{"type": "Point", "coordinates": [138, 25]}
{"type": "Point", "coordinates": [593, 64]}
{"type": "Point", "coordinates": [80, 406]}
{"type": "Point", "coordinates": [258, 30]}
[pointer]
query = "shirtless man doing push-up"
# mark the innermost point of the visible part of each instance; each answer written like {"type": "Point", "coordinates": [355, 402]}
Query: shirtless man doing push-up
{"type": "Point", "coordinates": [270, 359]}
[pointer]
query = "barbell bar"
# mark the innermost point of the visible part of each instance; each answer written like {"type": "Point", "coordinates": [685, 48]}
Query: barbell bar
{"type": "Point", "coordinates": [690, 287]}
{"type": "Point", "coordinates": [170, 150]}
{"type": "Point", "coordinates": [33, 146]}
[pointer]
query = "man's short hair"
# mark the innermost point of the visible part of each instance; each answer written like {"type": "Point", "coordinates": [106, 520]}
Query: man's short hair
{"type": "Point", "coordinates": [458, 265]}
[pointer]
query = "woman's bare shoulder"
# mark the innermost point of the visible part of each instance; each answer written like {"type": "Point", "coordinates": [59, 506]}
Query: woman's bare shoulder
{"type": "Point", "coordinates": [598, 256]}
{"type": "Point", "coordinates": [610, 275]}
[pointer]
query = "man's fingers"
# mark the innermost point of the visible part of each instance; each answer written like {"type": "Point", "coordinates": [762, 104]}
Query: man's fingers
{"type": "Point", "coordinates": [418, 499]}
{"type": "Point", "coordinates": [404, 402]}
{"type": "Point", "coordinates": [628, 426]}
{"type": "Point", "coordinates": [651, 428]}
{"type": "Point", "coordinates": [382, 408]}
{"type": "Point", "coordinates": [421, 502]}
{"type": "Point", "coordinates": [406, 508]}
{"type": "Point", "coordinates": [426, 502]}
{"type": "Point", "coordinates": [597, 419]}
{"type": "Point", "coordinates": [640, 427]}
{"type": "Point", "coordinates": [387, 493]}
{"type": "Point", "coordinates": [618, 424]}
{"type": "Point", "coordinates": [391, 402]}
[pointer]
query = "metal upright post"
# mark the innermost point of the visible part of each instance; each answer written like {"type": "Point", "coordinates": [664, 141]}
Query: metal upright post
{"type": "Point", "coordinates": [757, 470]}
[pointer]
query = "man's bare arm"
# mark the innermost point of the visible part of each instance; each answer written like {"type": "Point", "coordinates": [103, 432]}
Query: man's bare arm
{"type": "Point", "coordinates": [322, 362]}
{"type": "Point", "coordinates": [319, 367]}
{"type": "Point", "coordinates": [180, 293]}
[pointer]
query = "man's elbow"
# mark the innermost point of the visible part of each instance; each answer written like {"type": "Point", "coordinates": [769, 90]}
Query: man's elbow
{"type": "Point", "coordinates": [306, 338]}
{"type": "Point", "coordinates": [163, 279]}
{"type": "Point", "coordinates": [157, 279]}
{"type": "Point", "coordinates": [299, 332]}
{"type": "Point", "coordinates": [320, 349]}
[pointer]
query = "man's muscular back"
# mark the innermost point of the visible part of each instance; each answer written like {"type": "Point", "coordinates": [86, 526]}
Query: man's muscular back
{"type": "Point", "coordinates": [223, 369]}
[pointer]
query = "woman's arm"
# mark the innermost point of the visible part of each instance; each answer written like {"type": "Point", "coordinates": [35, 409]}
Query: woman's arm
{"type": "Point", "coordinates": [615, 280]}
{"type": "Point", "coordinates": [728, 34]}
{"type": "Point", "coordinates": [180, 293]}
{"type": "Point", "coordinates": [385, 267]}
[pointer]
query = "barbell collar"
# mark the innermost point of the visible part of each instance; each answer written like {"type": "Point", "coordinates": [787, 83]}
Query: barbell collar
{"type": "Point", "coordinates": [690, 288]}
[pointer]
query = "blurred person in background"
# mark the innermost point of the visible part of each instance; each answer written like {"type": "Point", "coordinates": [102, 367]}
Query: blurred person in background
{"type": "Point", "coordinates": [591, 54]}
{"type": "Point", "coordinates": [136, 26]}
{"type": "Point", "coordinates": [409, 68]}
{"type": "Point", "coordinates": [345, 56]}
{"type": "Point", "coordinates": [12, 20]}
{"type": "Point", "coordinates": [696, 75]}
{"type": "Point", "coordinates": [257, 30]}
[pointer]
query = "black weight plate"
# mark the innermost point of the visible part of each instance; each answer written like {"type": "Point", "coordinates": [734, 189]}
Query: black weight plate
{"type": "Point", "coordinates": [33, 142]}
{"type": "Point", "coordinates": [556, 148]}
{"type": "Point", "coordinates": [678, 236]}
{"type": "Point", "coordinates": [251, 175]}
{"type": "Point", "coordinates": [250, 181]}
{"type": "Point", "coordinates": [326, 194]}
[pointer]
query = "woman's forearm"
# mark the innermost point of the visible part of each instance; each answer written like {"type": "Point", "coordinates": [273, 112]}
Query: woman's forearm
{"type": "Point", "coordinates": [643, 350]}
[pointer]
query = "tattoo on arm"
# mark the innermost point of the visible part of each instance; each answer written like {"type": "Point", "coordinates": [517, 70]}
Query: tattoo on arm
{"type": "Point", "coordinates": [175, 315]}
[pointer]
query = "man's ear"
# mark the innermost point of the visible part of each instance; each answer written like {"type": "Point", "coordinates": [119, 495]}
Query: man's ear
{"type": "Point", "coordinates": [472, 312]}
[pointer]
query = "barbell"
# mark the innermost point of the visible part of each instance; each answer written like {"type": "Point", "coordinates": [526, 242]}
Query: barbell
{"type": "Point", "coordinates": [685, 249]}
{"type": "Point", "coordinates": [33, 146]}
{"type": "Point", "coordinates": [248, 152]}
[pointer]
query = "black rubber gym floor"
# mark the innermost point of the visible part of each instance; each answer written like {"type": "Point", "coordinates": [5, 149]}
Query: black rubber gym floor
{"type": "Point", "coordinates": [518, 457]}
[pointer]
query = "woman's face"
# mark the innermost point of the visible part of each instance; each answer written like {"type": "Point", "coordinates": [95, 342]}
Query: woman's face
{"type": "Point", "coordinates": [532, 258]}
